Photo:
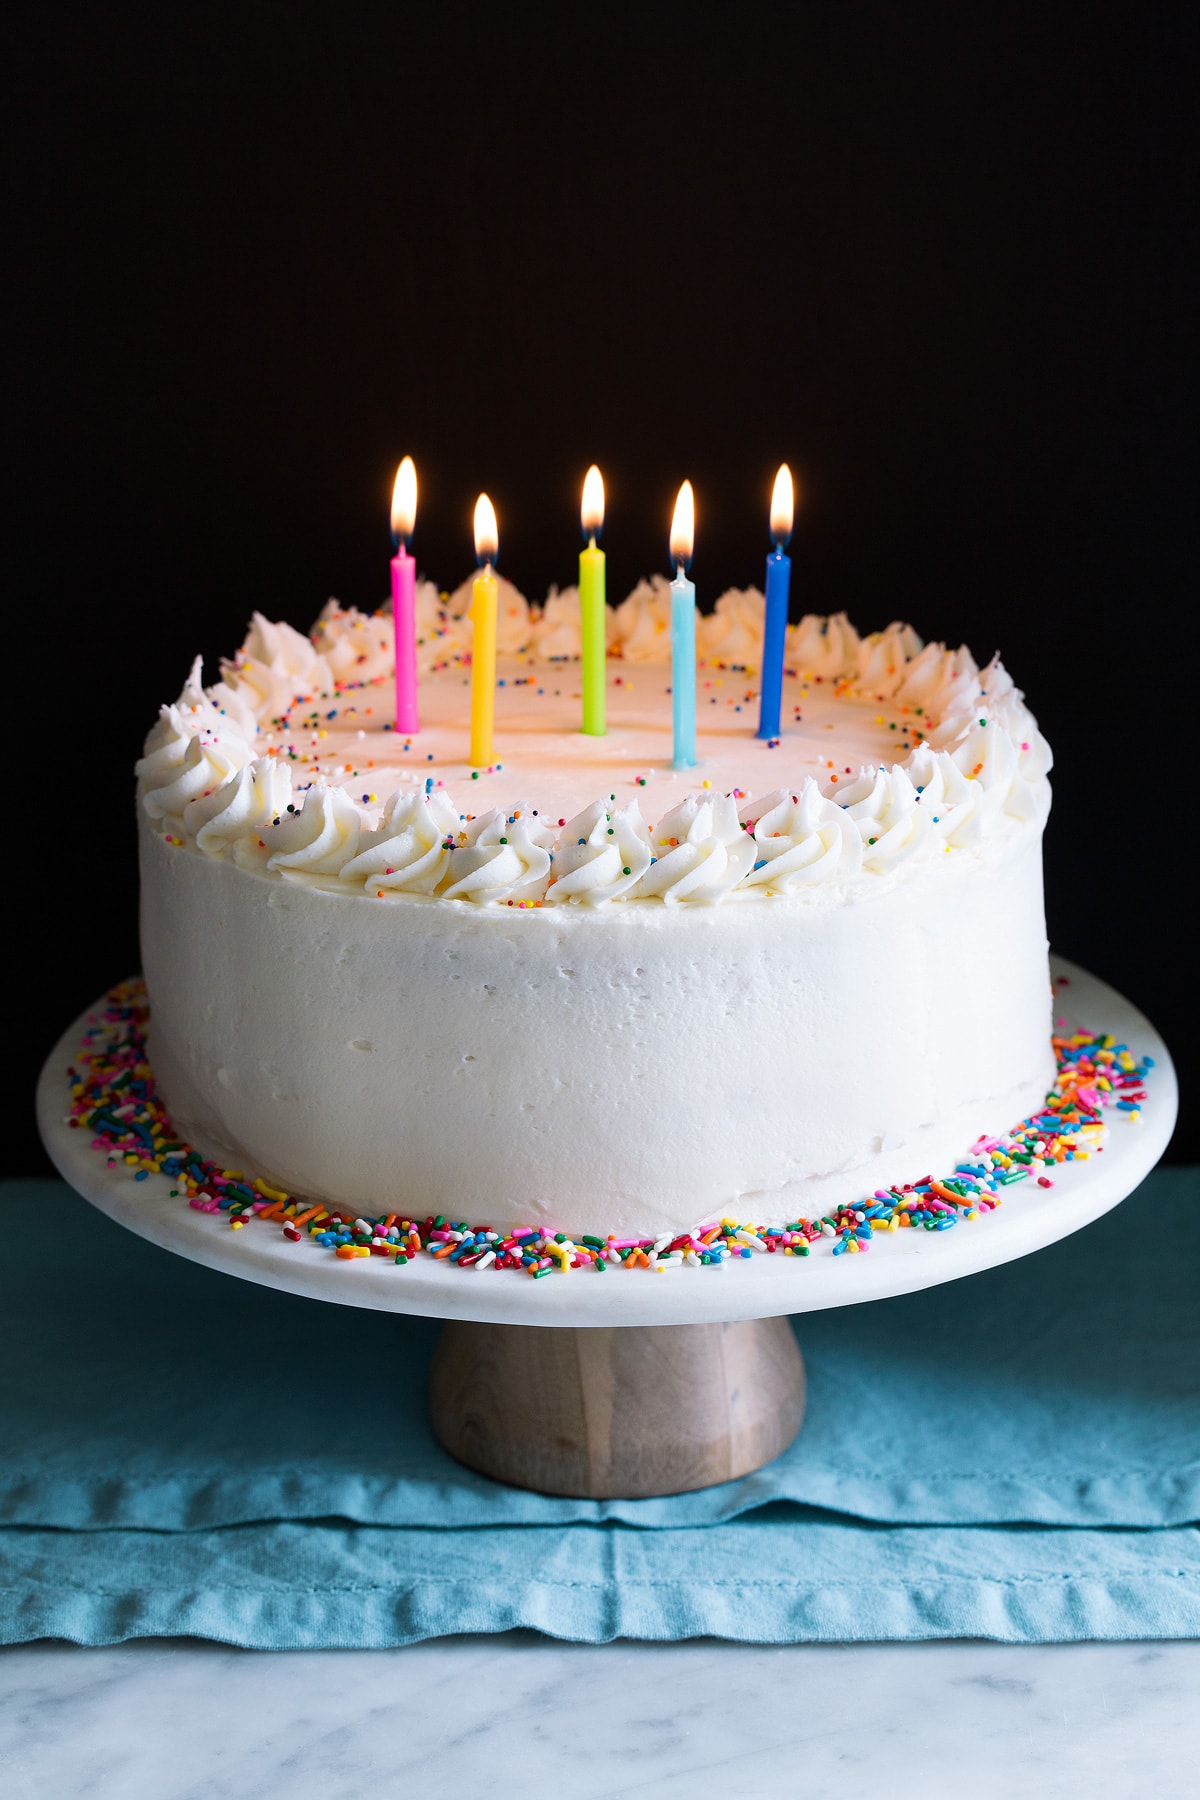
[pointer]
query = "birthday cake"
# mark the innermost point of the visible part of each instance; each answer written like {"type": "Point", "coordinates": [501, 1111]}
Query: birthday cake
{"type": "Point", "coordinates": [577, 987]}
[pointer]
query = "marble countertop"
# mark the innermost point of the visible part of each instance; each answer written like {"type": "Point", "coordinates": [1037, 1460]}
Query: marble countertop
{"type": "Point", "coordinates": [519, 1714]}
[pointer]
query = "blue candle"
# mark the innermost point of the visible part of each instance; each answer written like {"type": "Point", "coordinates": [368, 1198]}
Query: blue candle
{"type": "Point", "coordinates": [779, 575]}
{"type": "Point", "coordinates": [683, 631]}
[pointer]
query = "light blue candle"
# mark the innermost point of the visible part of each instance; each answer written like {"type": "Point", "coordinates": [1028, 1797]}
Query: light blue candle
{"type": "Point", "coordinates": [779, 574]}
{"type": "Point", "coordinates": [683, 631]}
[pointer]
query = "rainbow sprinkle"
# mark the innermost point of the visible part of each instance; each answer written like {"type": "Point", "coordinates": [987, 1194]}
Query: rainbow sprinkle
{"type": "Point", "coordinates": [113, 1096]}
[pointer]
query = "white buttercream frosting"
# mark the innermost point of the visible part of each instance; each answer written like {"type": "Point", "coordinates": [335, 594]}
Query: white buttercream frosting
{"type": "Point", "coordinates": [823, 646]}
{"type": "Point", "coordinates": [643, 622]}
{"type": "Point", "coordinates": [239, 813]}
{"type": "Point", "coordinates": [192, 750]}
{"type": "Point", "coordinates": [955, 806]}
{"type": "Point", "coordinates": [883, 659]}
{"type": "Point", "coordinates": [601, 855]}
{"type": "Point", "coordinates": [319, 838]}
{"type": "Point", "coordinates": [800, 840]}
{"type": "Point", "coordinates": [700, 851]}
{"type": "Point", "coordinates": [886, 808]}
{"type": "Point", "coordinates": [356, 646]}
{"type": "Point", "coordinates": [732, 634]}
{"type": "Point", "coordinates": [275, 667]}
{"type": "Point", "coordinates": [409, 852]}
{"type": "Point", "coordinates": [939, 680]}
{"type": "Point", "coordinates": [504, 858]}
{"type": "Point", "coordinates": [205, 765]}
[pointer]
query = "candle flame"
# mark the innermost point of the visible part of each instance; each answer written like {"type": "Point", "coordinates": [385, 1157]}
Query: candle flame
{"type": "Point", "coordinates": [683, 526]}
{"type": "Point", "coordinates": [783, 501]}
{"type": "Point", "coordinates": [591, 513]}
{"type": "Point", "coordinates": [487, 534]}
{"type": "Point", "coordinates": [404, 502]}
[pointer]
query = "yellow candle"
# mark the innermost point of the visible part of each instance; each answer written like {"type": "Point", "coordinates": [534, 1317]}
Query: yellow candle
{"type": "Point", "coordinates": [592, 614]}
{"type": "Point", "coordinates": [484, 595]}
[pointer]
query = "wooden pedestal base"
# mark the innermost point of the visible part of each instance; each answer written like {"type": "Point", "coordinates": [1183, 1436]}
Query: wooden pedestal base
{"type": "Point", "coordinates": [617, 1412]}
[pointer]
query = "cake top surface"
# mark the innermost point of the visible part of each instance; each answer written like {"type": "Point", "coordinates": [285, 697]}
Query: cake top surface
{"type": "Point", "coordinates": [290, 764]}
{"type": "Point", "coordinates": [540, 751]}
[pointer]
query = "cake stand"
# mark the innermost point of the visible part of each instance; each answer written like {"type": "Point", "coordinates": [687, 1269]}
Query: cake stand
{"type": "Point", "coordinates": [637, 1383]}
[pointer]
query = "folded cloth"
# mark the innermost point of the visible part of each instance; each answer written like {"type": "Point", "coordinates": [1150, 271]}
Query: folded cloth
{"type": "Point", "coordinates": [758, 1580]}
{"type": "Point", "coordinates": [138, 1390]}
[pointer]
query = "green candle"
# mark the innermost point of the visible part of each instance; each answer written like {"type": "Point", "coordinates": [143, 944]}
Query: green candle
{"type": "Point", "coordinates": [592, 614]}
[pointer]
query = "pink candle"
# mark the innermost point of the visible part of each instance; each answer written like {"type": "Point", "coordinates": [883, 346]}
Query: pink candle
{"type": "Point", "coordinates": [404, 618]}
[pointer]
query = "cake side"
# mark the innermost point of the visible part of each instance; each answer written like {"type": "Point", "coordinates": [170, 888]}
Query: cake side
{"type": "Point", "coordinates": [637, 1068]}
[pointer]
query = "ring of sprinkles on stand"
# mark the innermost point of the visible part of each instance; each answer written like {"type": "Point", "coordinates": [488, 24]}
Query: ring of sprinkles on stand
{"type": "Point", "coordinates": [113, 1095]}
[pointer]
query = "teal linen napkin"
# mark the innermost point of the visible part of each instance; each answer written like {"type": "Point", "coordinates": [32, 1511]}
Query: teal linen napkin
{"type": "Point", "coordinates": [757, 1580]}
{"type": "Point", "coordinates": [138, 1390]}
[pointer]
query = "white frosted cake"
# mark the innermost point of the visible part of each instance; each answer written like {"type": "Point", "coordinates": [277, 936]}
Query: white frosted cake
{"type": "Point", "coordinates": [578, 988]}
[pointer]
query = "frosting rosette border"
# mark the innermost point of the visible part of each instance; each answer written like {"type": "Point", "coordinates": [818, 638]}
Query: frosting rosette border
{"type": "Point", "coordinates": [980, 762]}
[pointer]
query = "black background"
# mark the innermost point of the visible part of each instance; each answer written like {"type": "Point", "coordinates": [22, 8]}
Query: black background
{"type": "Point", "coordinates": [939, 257]}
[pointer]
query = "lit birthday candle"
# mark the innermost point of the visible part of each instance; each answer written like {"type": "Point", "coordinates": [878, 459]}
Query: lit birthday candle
{"type": "Point", "coordinates": [683, 630]}
{"type": "Point", "coordinates": [404, 620]}
{"type": "Point", "coordinates": [779, 575]}
{"type": "Point", "coordinates": [484, 595]}
{"type": "Point", "coordinates": [594, 646]}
